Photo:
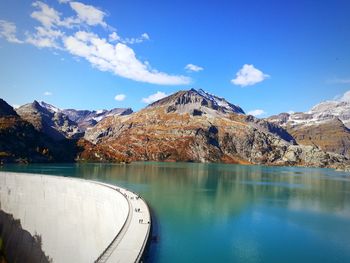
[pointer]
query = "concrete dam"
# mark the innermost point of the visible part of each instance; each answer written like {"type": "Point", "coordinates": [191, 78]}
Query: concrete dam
{"type": "Point", "coordinates": [73, 220]}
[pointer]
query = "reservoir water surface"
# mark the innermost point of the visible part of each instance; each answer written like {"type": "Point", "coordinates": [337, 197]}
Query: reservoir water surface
{"type": "Point", "coordinates": [232, 213]}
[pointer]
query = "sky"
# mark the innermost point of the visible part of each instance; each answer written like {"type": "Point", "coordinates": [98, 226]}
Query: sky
{"type": "Point", "coordinates": [267, 56]}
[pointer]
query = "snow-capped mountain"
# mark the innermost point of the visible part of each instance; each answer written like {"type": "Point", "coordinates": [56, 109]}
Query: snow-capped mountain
{"type": "Point", "coordinates": [329, 109]}
{"type": "Point", "coordinates": [320, 113]}
{"type": "Point", "coordinates": [325, 125]}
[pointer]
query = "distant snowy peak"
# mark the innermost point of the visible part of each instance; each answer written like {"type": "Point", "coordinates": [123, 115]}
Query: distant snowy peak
{"type": "Point", "coordinates": [86, 118]}
{"type": "Point", "coordinates": [320, 113]}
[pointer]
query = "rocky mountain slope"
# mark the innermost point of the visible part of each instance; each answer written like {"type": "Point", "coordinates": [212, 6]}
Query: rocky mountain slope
{"type": "Point", "coordinates": [21, 142]}
{"type": "Point", "coordinates": [196, 126]}
{"type": "Point", "coordinates": [87, 118]}
{"type": "Point", "coordinates": [190, 125]}
{"type": "Point", "coordinates": [326, 125]}
{"type": "Point", "coordinates": [64, 124]}
{"type": "Point", "coordinates": [48, 120]}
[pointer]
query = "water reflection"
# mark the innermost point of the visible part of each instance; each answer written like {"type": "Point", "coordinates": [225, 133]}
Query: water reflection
{"type": "Point", "coordinates": [242, 206]}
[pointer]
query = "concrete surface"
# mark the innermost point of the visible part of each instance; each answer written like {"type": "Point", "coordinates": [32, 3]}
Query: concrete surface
{"type": "Point", "coordinates": [78, 220]}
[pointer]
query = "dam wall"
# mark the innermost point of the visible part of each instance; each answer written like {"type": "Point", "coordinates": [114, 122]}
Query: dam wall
{"type": "Point", "coordinates": [75, 220]}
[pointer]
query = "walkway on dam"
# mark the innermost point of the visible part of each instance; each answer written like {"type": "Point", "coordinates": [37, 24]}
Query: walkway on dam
{"type": "Point", "coordinates": [127, 245]}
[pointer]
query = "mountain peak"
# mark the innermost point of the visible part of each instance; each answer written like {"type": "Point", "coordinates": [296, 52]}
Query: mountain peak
{"type": "Point", "coordinates": [196, 102]}
{"type": "Point", "coordinates": [6, 109]}
{"type": "Point", "coordinates": [49, 107]}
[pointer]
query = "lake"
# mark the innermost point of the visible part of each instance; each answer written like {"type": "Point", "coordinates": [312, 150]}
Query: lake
{"type": "Point", "coordinates": [233, 213]}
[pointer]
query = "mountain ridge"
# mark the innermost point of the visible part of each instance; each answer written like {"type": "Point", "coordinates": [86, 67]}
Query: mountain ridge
{"type": "Point", "coordinates": [171, 129]}
{"type": "Point", "coordinates": [197, 126]}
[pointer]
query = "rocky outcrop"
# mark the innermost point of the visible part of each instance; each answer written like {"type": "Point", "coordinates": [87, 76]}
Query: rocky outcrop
{"type": "Point", "coordinates": [168, 130]}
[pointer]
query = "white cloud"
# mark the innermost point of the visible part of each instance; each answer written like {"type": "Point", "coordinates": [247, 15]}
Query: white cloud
{"type": "Point", "coordinates": [154, 97]}
{"type": "Point", "coordinates": [113, 37]}
{"type": "Point", "coordinates": [15, 106]}
{"type": "Point", "coordinates": [64, 1]}
{"type": "Point", "coordinates": [120, 97]}
{"type": "Point", "coordinates": [137, 40]}
{"type": "Point", "coordinates": [192, 67]}
{"type": "Point", "coordinates": [249, 75]}
{"type": "Point", "coordinates": [345, 97]}
{"type": "Point", "coordinates": [45, 37]}
{"type": "Point", "coordinates": [118, 59]}
{"type": "Point", "coordinates": [46, 15]}
{"type": "Point", "coordinates": [257, 112]}
{"type": "Point", "coordinates": [8, 31]}
{"type": "Point", "coordinates": [145, 36]}
{"type": "Point", "coordinates": [341, 81]}
{"type": "Point", "coordinates": [89, 14]}
{"type": "Point", "coordinates": [48, 93]}
{"type": "Point", "coordinates": [85, 14]}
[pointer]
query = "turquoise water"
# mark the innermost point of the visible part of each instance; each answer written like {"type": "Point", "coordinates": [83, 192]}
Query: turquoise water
{"type": "Point", "coordinates": [233, 213]}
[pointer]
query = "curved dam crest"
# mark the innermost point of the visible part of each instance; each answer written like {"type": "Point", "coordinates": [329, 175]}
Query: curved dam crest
{"type": "Point", "coordinates": [77, 220]}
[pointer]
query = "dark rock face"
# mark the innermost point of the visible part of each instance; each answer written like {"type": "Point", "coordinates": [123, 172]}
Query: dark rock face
{"type": "Point", "coordinates": [6, 110]}
{"type": "Point", "coordinates": [331, 136]}
{"type": "Point", "coordinates": [272, 128]}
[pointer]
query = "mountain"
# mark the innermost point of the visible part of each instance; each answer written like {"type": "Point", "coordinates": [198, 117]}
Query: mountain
{"type": "Point", "coordinates": [196, 126]}
{"type": "Point", "coordinates": [190, 125]}
{"type": "Point", "coordinates": [339, 109]}
{"type": "Point", "coordinates": [6, 110]}
{"type": "Point", "coordinates": [49, 120]}
{"type": "Point", "coordinates": [64, 124]}
{"type": "Point", "coordinates": [196, 103]}
{"type": "Point", "coordinates": [326, 125]}
{"type": "Point", "coordinates": [21, 142]}
{"type": "Point", "coordinates": [86, 118]}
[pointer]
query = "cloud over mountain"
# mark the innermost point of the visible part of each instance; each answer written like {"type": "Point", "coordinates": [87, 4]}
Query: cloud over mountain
{"type": "Point", "coordinates": [154, 97]}
{"type": "Point", "coordinates": [257, 112]}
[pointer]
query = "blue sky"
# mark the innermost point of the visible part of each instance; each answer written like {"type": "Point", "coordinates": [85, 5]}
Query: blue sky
{"type": "Point", "coordinates": [289, 55]}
